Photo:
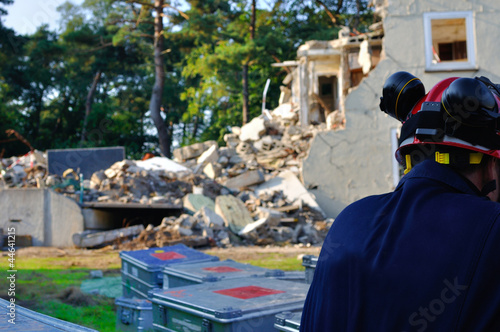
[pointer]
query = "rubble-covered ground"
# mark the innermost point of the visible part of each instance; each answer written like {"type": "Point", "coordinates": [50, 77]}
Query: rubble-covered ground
{"type": "Point", "coordinates": [245, 193]}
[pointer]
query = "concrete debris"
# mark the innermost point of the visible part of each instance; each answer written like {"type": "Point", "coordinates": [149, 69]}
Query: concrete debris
{"type": "Point", "coordinates": [210, 218]}
{"type": "Point", "coordinates": [192, 151]}
{"type": "Point", "coordinates": [89, 239]}
{"type": "Point", "coordinates": [246, 192]}
{"type": "Point", "coordinates": [195, 202]}
{"type": "Point", "coordinates": [233, 211]}
{"type": "Point", "coordinates": [246, 179]}
{"type": "Point", "coordinates": [253, 130]}
{"type": "Point", "coordinates": [96, 274]}
{"type": "Point", "coordinates": [292, 188]}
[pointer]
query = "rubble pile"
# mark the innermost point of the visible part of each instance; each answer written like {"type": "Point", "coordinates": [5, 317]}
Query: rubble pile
{"type": "Point", "coordinates": [246, 192]}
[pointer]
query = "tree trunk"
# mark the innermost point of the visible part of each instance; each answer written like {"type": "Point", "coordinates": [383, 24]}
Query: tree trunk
{"type": "Point", "coordinates": [328, 12]}
{"type": "Point", "coordinates": [245, 93]}
{"type": "Point", "coordinates": [62, 113]}
{"type": "Point", "coordinates": [88, 104]}
{"type": "Point", "coordinates": [38, 106]}
{"type": "Point", "coordinates": [357, 16]}
{"type": "Point", "coordinates": [155, 103]}
{"type": "Point", "coordinates": [195, 127]}
{"type": "Point", "coordinates": [245, 67]}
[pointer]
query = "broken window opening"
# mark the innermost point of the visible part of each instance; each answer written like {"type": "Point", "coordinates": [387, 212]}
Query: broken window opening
{"type": "Point", "coordinates": [449, 41]}
{"type": "Point", "coordinates": [327, 98]}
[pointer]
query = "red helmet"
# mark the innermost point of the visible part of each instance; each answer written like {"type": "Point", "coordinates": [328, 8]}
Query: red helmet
{"type": "Point", "coordinates": [456, 112]}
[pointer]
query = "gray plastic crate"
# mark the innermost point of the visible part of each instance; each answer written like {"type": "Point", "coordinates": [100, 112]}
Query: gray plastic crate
{"type": "Point", "coordinates": [309, 262]}
{"type": "Point", "coordinates": [191, 274]}
{"type": "Point", "coordinates": [248, 304]}
{"type": "Point", "coordinates": [142, 269]}
{"type": "Point", "coordinates": [27, 320]}
{"type": "Point", "coordinates": [133, 315]}
{"type": "Point", "coordinates": [288, 321]}
{"type": "Point", "coordinates": [295, 276]}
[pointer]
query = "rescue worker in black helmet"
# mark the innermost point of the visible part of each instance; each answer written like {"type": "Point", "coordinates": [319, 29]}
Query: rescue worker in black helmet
{"type": "Point", "coordinates": [425, 257]}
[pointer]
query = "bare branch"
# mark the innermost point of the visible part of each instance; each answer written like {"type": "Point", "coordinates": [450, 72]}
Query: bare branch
{"type": "Point", "coordinates": [98, 48]}
{"type": "Point", "coordinates": [140, 3]}
{"type": "Point", "coordinates": [139, 17]}
{"type": "Point", "coordinates": [328, 12]}
{"type": "Point", "coordinates": [178, 10]}
{"type": "Point", "coordinates": [279, 61]}
{"type": "Point", "coordinates": [129, 21]}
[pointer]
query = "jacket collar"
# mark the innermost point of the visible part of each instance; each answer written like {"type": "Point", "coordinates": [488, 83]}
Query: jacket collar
{"type": "Point", "coordinates": [441, 173]}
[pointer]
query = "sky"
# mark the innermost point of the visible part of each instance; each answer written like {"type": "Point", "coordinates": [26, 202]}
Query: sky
{"type": "Point", "coordinates": [25, 16]}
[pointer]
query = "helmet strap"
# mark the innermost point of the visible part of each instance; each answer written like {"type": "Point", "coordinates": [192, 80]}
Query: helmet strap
{"type": "Point", "coordinates": [489, 187]}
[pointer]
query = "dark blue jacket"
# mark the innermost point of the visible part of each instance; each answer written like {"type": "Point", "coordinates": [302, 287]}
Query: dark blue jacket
{"type": "Point", "coordinates": [425, 257]}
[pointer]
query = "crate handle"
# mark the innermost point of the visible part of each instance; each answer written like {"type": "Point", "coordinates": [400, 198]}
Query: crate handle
{"type": "Point", "coordinates": [206, 325]}
{"type": "Point", "coordinates": [126, 317]}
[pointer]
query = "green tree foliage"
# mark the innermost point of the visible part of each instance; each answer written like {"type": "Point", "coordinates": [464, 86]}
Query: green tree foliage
{"type": "Point", "coordinates": [92, 84]}
{"type": "Point", "coordinates": [11, 47]}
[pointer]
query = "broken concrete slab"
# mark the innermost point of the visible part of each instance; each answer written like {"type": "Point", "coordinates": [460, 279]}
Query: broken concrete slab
{"type": "Point", "coordinates": [209, 156]}
{"type": "Point", "coordinates": [236, 130]}
{"type": "Point", "coordinates": [286, 112]}
{"type": "Point", "coordinates": [212, 170]}
{"type": "Point", "coordinates": [282, 234]}
{"type": "Point", "coordinates": [49, 218]}
{"type": "Point", "coordinates": [273, 217]}
{"type": "Point", "coordinates": [182, 230]}
{"type": "Point", "coordinates": [246, 179]}
{"type": "Point", "coordinates": [110, 173]}
{"type": "Point", "coordinates": [192, 151]}
{"type": "Point", "coordinates": [161, 163]}
{"type": "Point", "coordinates": [233, 211]}
{"type": "Point", "coordinates": [231, 140]}
{"type": "Point", "coordinates": [291, 186]}
{"type": "Point", "coordinates": [210, 218]}
{"type": "Point", "coordinates": [253, 130]}
{"type": "Point", "coordinates": [253, 226]}
{"type": "Point", "coordinates": [90, 239]}
{"type": "Point", "coordinates": [194, 202]}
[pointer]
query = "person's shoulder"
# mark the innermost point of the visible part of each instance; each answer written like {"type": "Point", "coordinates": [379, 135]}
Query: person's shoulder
{"type": "Point", "coordinates": [366, 204]}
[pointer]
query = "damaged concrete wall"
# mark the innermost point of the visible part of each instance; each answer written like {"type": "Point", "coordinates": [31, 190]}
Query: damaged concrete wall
{"type": "Point", "coordinates": [49, 218]}
{"type": "Point", "coordinates": [358, 161]}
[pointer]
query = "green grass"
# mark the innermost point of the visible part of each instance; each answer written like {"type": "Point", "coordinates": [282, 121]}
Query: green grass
{"type": "Point", "coordinates": [274, 261]}
{"type": "Point", "coordinates": [42, 282]}
{"type": "Point", "coordinates": [267, 260]}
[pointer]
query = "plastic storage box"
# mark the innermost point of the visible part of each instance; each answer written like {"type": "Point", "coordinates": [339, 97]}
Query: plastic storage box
{"type": "Point", "coordinates": [27, 320]}
{"type": "Point", "coordinates": [288, 321]}
{"type": "Point", "coordinates": [142, 269]}
{"type": "Point", "coordinates": [133, 315]}
{"type": "Point", "coordinates": [249, 304]}
{"type": "Point", "coordinates": [190, 274]}
{"type": "Point", "coordinates": [309, 262]}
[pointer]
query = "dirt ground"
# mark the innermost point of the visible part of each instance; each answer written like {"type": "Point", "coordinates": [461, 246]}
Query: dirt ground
{"type": "Point", "coordinates": [105, 257]}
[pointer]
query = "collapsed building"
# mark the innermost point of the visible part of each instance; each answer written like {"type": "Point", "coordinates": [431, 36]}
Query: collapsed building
{"type": "Point", "coordinates": [327, 132]}
{"type": "Point", "coordinates": [247, 192]}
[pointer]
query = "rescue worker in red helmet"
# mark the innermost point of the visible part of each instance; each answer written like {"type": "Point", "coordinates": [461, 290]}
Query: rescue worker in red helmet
{"type": "Point", "coordinates": [425, 257]}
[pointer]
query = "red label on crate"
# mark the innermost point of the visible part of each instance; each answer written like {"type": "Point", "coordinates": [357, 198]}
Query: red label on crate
{"type": "Point", "coordinates": [168, 255]}
{"type": "Point", "coordinates": [248, 292]}
{"type": "Point", "coordinates": [177, 293]}
{"type": "Point", "coordinates": [222, 269]}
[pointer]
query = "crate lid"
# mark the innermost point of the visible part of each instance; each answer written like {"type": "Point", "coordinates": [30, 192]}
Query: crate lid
{"type": "Point", "coordinates": [138, 304]}
{"type": "Point", "coordinates": [289, 320]}
{"type": "Point", "coordinates": [154, 259]}
{"type": "Point", "coordinates": [220, 270]}
{"type": "Point", "coordinates": [28, 320]}
{"type": "Point", "coordinates": [234, 299]}
{"type": "Point", "coordinates": [309, 261]}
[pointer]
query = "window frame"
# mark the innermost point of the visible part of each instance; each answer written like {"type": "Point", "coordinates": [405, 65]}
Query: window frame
{"type": "Point", "coordinates": [470, 64]}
